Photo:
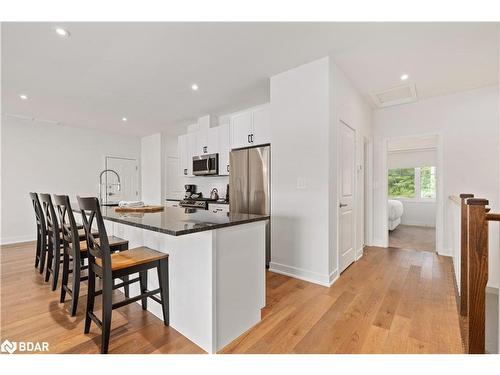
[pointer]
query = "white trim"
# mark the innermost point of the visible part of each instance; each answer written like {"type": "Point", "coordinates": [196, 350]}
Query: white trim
{"type": "Point", "coordinates": [368, 181]}
{"type": "Point", "coordinates": [334, 276]}
{"type": "Point", "coordinates": [359, 254]}
{"type": "Point", "coordinates": [17, 239]}
{"type": "Point", "coordinates": [302, 274]}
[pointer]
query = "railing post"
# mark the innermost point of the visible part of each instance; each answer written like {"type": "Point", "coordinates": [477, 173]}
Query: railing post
{"type": "Point", "coordinates": [464, 255]}
{"type": "Point", "coordinates": [478, 273]}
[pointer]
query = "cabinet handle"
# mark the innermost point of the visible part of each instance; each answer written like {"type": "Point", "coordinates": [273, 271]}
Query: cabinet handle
{"type": "Point", "coordinates": [204, 149]}
{"type": "Point", "coordinates": [251, 137]}
{"type": "Point", "coordinates": [185, 171]}
{"type": "Point", "coordinates": [227, 167]}
{"type": "Point", "coordinates": [248, 138]}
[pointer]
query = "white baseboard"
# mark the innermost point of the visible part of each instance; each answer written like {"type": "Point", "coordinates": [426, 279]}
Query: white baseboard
{"type": "Point", "coordinates": [302, 274]}
{"type": "Point", "coordinates": [12, 240]}
{"type": "Point", "coordinates": [334, 276]}
{"type": "Point", "coordinates": [359, 254]}
{"type": "Point", "coordinates": [378, 243]}
{"type": "Point", "coordinates": [419, 224]}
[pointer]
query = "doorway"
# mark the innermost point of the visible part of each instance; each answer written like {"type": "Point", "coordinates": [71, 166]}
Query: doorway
{"type": "Point", "coordinates": [412, 192]}
{"type": "Point", "coordinates": [128, 188]}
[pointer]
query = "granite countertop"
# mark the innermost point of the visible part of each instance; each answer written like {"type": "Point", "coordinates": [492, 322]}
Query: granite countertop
{"type": "Point", "coordinates": [177, 221]}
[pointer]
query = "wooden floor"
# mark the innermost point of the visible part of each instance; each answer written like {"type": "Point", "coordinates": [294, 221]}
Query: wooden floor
{"type": "Point", "coordinates": [413, 237]}
{"type": "Point", "coordinates": [390, 301]}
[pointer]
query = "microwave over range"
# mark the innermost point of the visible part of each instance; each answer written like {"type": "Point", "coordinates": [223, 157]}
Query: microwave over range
{"type": "Point", "coordinates": [206, 165]}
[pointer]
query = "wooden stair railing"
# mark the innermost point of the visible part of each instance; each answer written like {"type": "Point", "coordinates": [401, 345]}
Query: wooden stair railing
{"type": "Point", "coordinates": [474, 218]}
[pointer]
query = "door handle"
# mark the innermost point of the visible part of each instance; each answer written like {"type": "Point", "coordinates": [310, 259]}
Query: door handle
{"type": "Point", "coordinates": [343, 205]}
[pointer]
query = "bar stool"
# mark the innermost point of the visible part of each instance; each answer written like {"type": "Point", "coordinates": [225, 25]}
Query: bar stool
{"type": "Point", "coordinates": [75, 252]}
{"type": "Point", "coordinates": [108, 266]}
{"type": "Point", "coordinates": [41, 233]}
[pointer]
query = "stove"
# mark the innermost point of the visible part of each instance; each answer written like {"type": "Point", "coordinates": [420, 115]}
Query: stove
{"type": "Point", "coordinates": [201, 203]}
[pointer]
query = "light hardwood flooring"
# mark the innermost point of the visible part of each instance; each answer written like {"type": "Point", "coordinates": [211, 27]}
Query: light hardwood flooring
{"type": "Point", "coordinates": [390, 301]}
{"type": "Point", "coordinates": [413, 238]}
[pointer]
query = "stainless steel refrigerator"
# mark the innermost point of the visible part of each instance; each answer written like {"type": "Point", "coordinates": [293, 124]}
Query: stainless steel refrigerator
{"type": "Point", "coordinates": [250, 185]}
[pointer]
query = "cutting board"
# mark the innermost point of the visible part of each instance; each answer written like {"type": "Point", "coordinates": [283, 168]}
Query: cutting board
{"type": "Point", "coordinates": [140, 209]}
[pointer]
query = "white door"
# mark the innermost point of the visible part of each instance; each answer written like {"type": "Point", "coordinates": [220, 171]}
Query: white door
{"type": "Point", "coordinates": [347, 154]}
{"type": "Point", "coordinates": [128, 171]}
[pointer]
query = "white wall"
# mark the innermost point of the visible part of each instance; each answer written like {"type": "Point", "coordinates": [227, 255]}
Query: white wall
{"type": "Point", "coordinates": [348, 105]}
{"type": "Point", "coordinates": [467, 123]}
{"type": "Point", "coordinates": [306, 104]}
{"type": "Point", "coordinates": [418, 213]}
{"type": "Point", "coordinates": [152, 169]}
{"type": "Point", "coordinates": [300, 153]}
{"type": "Point", "coordinates": [48, 158]}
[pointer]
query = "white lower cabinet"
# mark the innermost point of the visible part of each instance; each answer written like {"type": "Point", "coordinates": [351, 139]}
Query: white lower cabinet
{"type": "Point", "coordinates": [218, 208]}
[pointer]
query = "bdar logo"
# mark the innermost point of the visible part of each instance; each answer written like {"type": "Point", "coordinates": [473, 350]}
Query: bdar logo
{"type": "Point", "coordinates": [8, 347]}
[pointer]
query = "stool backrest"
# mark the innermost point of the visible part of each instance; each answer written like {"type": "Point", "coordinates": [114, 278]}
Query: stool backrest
{"type": "Point", "coordinates": [51, 218]}
{"type": "Point", "coordinates": [40, 218]}
{"type": "Point", "coordinates": [67, 220]}
{"type": "Point", "coordinates": [97, 247]}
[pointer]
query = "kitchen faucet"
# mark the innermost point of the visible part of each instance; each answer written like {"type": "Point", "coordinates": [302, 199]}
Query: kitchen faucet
{"type": "Point", "coordinates": [100, 182]}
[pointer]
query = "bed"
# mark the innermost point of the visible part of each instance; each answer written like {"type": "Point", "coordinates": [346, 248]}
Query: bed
{"type": "Point", "coordinates": [394, 213]}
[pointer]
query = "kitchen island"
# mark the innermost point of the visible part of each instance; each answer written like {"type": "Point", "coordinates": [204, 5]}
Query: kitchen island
{"type": "Point", "coordinates": [216, 268]}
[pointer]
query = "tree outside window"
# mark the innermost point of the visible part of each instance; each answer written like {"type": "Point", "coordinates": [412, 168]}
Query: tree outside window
{"type": "Point", "coordinates": [412, 183]}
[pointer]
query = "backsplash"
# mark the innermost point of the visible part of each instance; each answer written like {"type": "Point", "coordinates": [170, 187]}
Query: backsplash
{"type": "Point", "coordinates": [206, 184]}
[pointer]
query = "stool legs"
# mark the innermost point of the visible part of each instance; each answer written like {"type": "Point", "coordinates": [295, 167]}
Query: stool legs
{"type": "Point", "coordinates": [75, 291]}
{"type": "Point", "coordinates": [107, 307]}
{"type": "Point", "coordinates": [143, 280]}
{"type": "Point", "coordinates": [65, 276]}
{"type": "Point", "coordinates": [90, 300]}
{"type": "Point", "coordinates": [56, 266]}
{"type": "Point", "coordinates": [164, 295]}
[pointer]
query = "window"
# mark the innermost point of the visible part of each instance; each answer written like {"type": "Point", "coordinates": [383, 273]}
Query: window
{"type": "Point", "coordinates": [412, 183]}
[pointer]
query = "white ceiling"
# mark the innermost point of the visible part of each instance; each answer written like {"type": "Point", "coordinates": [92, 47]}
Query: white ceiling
{"type": "Point", "coordinates": [144, 71]}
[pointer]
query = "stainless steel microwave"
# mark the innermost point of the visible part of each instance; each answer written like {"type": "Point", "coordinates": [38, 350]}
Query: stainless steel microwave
{"type": "Point", "coordinates": [206, 165]}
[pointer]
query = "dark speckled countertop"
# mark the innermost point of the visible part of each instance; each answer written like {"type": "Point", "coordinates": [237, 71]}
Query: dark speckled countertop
{"type": "Point", "coordinates": [177, 221]}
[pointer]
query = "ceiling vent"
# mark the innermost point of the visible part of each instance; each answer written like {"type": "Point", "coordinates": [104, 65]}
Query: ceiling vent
{"type": "Point", "coordinates": [395, 96]}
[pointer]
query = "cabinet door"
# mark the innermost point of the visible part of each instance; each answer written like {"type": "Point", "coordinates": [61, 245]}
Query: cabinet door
{"type": "Point", "coordinates": [182, 153]}
{"type": "Point", "coordinates": [212, 145]}
{"type": "Point", "coordinates": [241, 128]}
{"type": "Point", "coordinates": [201, 142]}
{"type": "Point", "coordinates": [223, 149]}
{"type": "Point", "coordinates": [192, 150]}
{"type": "Point", "coordinates": [261, 133]}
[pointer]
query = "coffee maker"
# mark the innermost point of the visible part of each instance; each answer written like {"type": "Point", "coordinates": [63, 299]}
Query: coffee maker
{"type": "Point", "coordinates": [190, 190]}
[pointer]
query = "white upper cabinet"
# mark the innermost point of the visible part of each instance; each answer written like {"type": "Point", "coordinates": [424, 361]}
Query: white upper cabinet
{"type": "Point", "coordinates": [182, 152]}
{"type": "Point", "coordinates": [241, 128]}
{"type": "Point", "coordinates": [224, 147]}
{"type": "Point", "coordinates": [250, 128]}
{"type": "Point", "coordinates": [261, 126]}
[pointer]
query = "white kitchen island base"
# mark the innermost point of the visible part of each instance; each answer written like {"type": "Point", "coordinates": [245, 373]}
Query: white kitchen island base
{"type": "Point", "coordinates": [216, 279]}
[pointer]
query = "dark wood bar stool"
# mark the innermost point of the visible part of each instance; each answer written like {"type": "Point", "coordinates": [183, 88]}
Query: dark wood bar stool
{"type": "Point", "coordinates": [41, 233]}
{"type": "Point", "coordinates": [75, 252]}
{"type": "Point", "coordinates": [54, 240]}
{"type": "Point", "coordinates": [109, 266]}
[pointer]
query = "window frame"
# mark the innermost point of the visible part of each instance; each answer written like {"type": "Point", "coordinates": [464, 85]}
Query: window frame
{"type": "Point", "coordinates": [418, 187]}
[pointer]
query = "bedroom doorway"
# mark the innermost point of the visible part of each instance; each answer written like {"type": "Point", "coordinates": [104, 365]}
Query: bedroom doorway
{"type": "Point", "coordinates": [412, 176]}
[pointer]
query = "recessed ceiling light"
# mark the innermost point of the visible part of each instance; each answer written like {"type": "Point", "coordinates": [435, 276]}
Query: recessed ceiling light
{"type": "Point", "coordinates": [62, 32]}
{"type": "Point", "coordinates": [404, 77]}
{"type": "Point", "coordinates": [23, 97]}
{"type": "Point", "coordinates": [124, 119]}
{"type": "Point", "coordinates": [194, 87]}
